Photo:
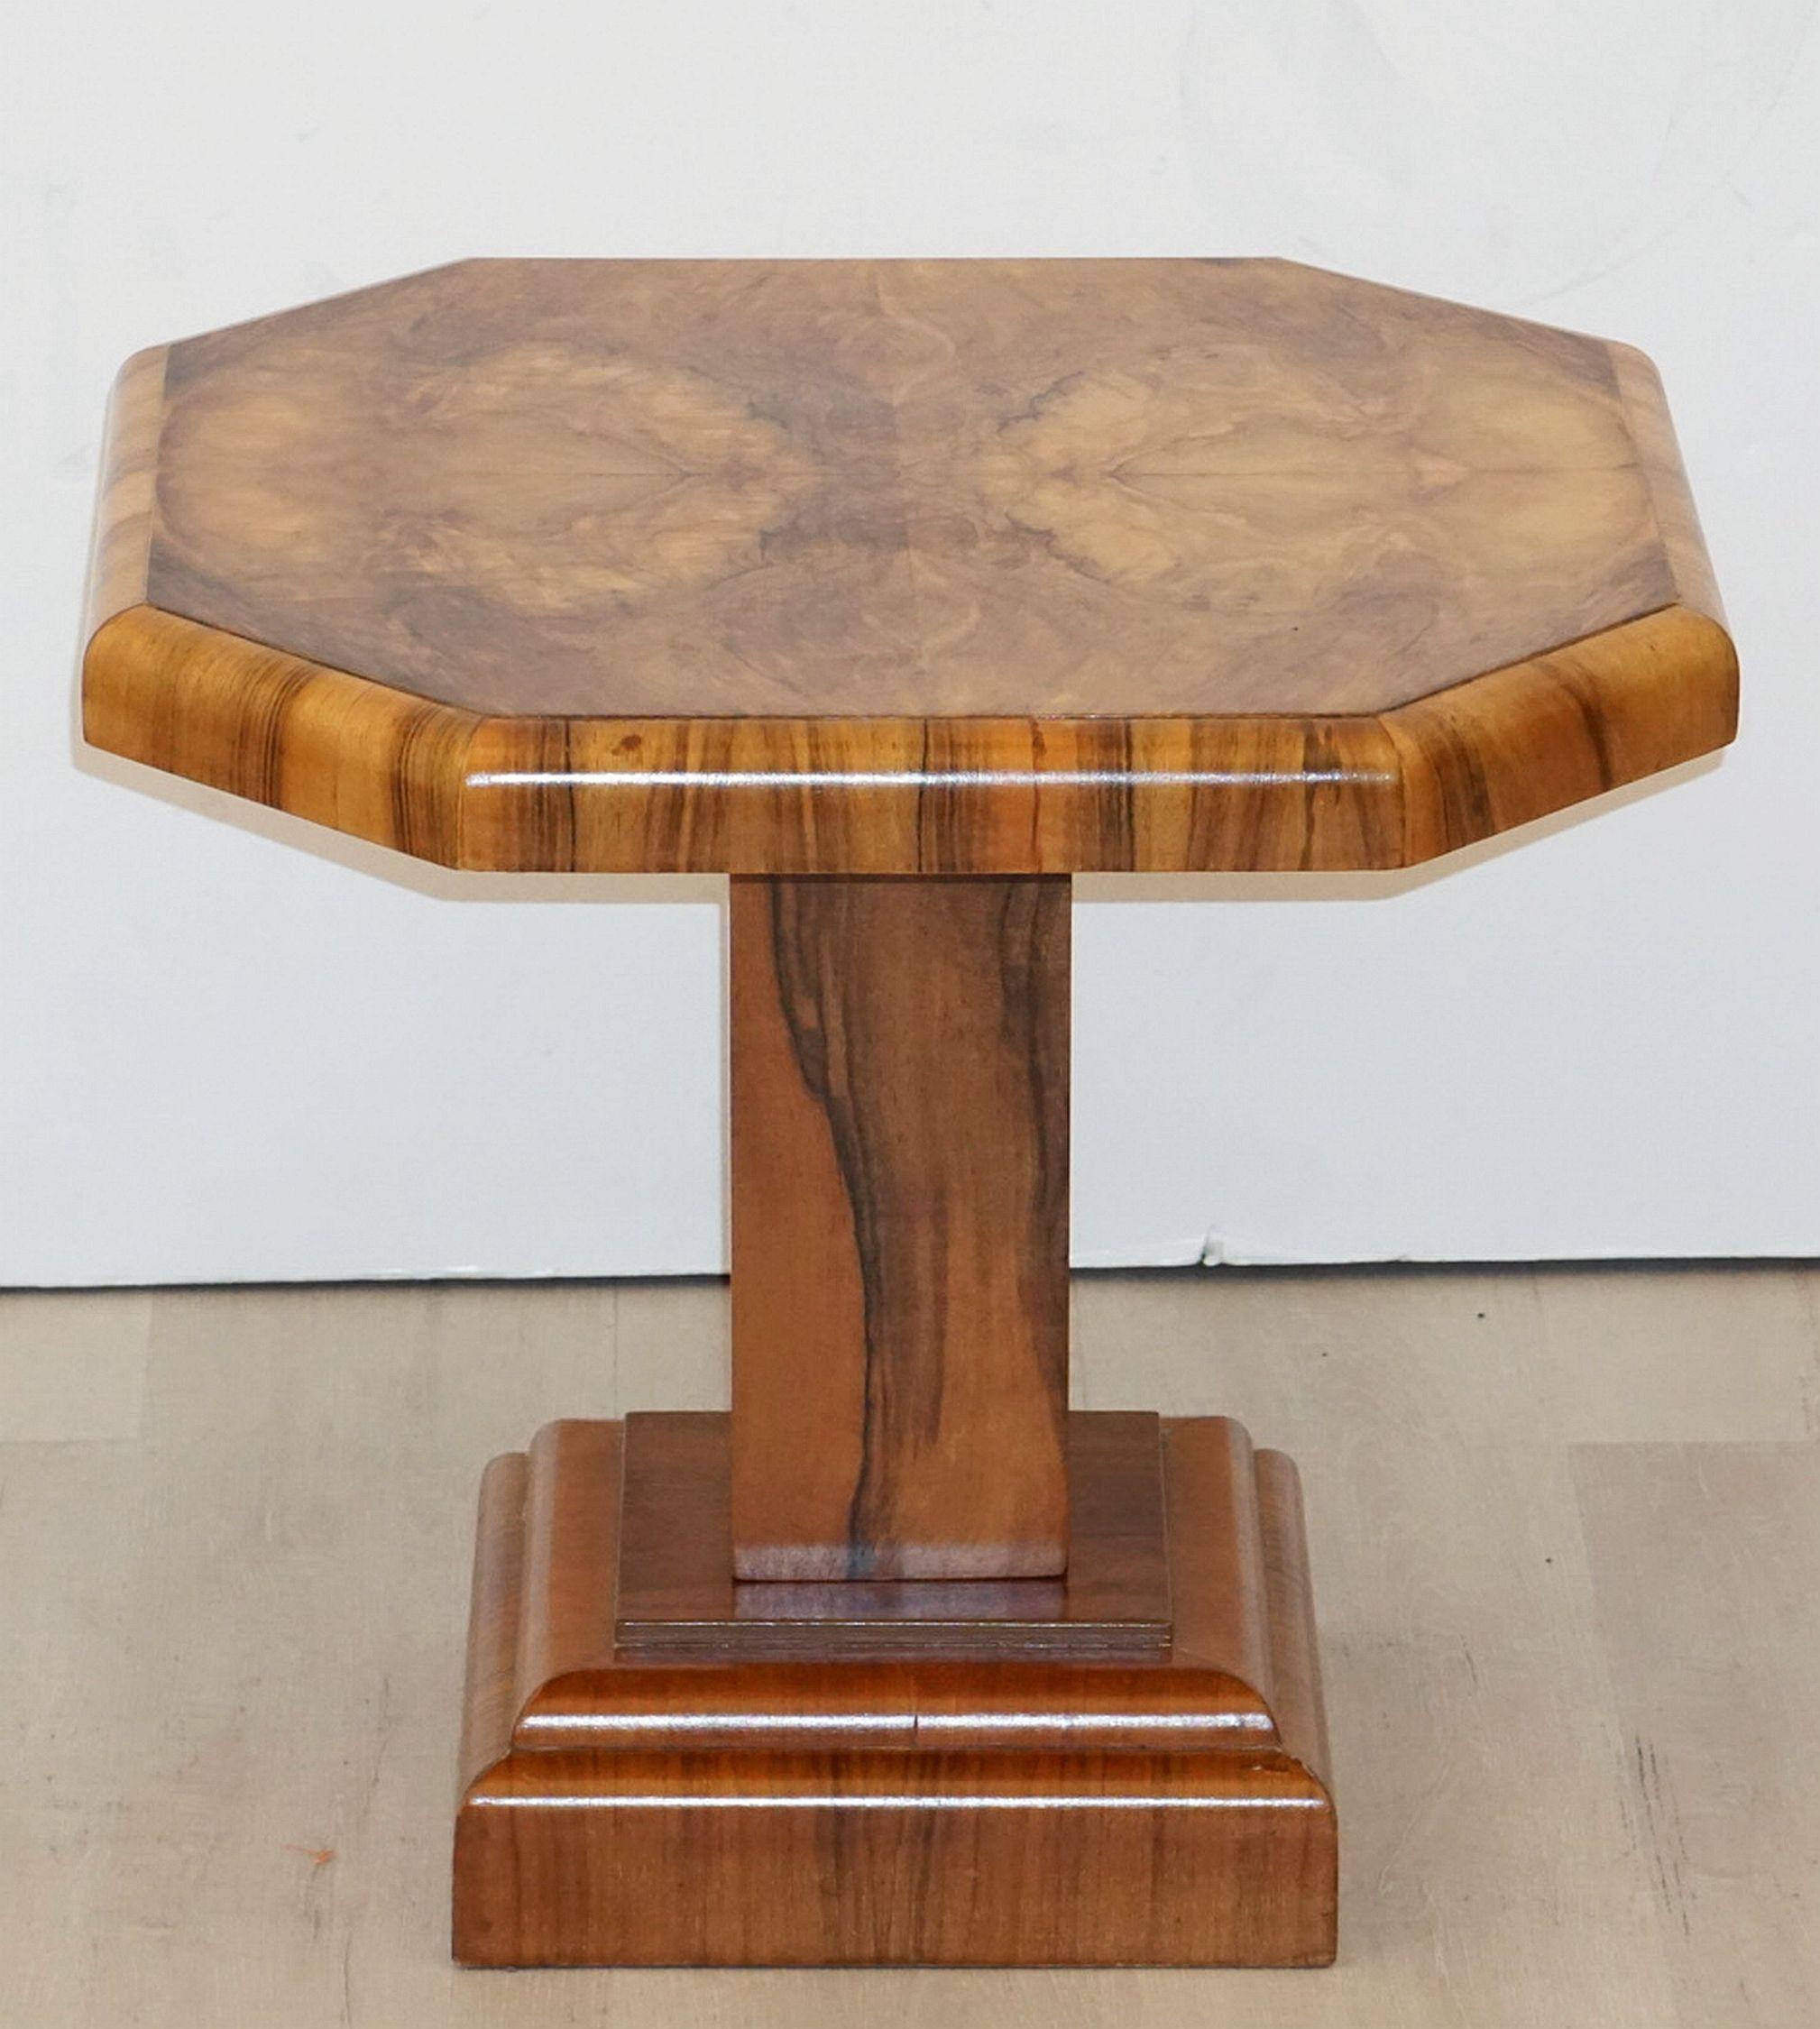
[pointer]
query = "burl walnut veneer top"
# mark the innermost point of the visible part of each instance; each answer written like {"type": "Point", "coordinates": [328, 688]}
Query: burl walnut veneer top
{"type": "Point", "coordinates": [901, 566]}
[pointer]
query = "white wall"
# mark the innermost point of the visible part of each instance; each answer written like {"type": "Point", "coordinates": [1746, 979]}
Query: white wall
{"type": "Point", "coordinates": [222, 1056]}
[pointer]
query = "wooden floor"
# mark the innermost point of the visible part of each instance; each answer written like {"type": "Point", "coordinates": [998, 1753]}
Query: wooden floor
{"type": "Point", "coordinates": [1566, 1537]}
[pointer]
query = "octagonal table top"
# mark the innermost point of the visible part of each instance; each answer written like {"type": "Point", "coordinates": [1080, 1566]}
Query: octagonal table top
{"type": "Point", "coordinates": [966, 567]}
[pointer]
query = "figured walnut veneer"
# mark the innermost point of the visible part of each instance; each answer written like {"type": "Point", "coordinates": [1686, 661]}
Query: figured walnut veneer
{"type": "Point", "coordinates": [901, 567]}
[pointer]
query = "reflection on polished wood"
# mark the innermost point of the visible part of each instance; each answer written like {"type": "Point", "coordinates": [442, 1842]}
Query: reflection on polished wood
{"type": "Point", "coordinates": [934, 1812]}
{"type": "Point", "coordinates": [901, 567]}
{"type": "Point", "coordinates": [678, 1597]}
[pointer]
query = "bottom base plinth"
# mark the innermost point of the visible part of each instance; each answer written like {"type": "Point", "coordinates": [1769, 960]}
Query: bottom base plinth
{"type": "Point", "coordinates": [946, 1806]}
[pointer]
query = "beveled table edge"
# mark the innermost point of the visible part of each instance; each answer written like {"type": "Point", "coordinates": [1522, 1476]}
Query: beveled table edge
{"type": "Point", "coordinates": [906, 797]}
{"type": "Point", "coordinates": [1138, 793]}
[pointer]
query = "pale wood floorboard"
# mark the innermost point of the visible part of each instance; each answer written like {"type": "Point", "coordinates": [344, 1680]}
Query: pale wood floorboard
{"type": "Point", "coordinates": [1566, 1534]}
{"type": "Point", "coordinates": [1706, 1561]}
{"type": "Point", "coordinates": [71, 1371]}
{"type": "Point", "coordinates": [1739, 1366]}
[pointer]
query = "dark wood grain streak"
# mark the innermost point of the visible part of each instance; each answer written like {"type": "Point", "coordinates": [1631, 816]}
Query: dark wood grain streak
{"type": "Point", "coordinates": [938, 1811]}
{"type": "Point", "coordinates": [677, 1598]}
{"type": "Point", "coordinates": [874, 568]}
{"type": "Point", "coordinates": [893, 488]}
{"type": "Point", "coordinates": [899, 1062]}
{"type": "Point", "coordinates": [1244, 794]}
{"type": "Point", "coordinates": [572, 1688]}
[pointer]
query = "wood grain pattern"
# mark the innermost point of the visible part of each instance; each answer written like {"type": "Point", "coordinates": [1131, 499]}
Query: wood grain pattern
{"type": "Point", "coordinates": [678, 1597]}
{"type": "Point", "coordinates": [963, 567]}
{"type": "Point", "coordinates": [901, 489]}
{"type": "Point", "coordinates": [956, 797]}
{"type": "Point", "coordinates": [940, 1812]}
{"type": "Point", "coordinates": [899, 1057]}
{"type": "Point", "coordinates": [572, 1689]}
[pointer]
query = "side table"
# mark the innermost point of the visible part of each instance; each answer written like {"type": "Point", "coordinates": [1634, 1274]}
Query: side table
{"type": "Point", "coordinates": [900, 592]}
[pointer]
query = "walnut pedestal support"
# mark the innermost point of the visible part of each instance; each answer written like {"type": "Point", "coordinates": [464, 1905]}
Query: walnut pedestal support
{"type": "Point", "coordinates": [900, 1662]}
{"type": "Point", "coordinates": [900, 1158]}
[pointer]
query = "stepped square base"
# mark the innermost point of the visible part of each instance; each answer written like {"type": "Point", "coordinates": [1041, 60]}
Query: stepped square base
{"type": "Point", "coordinates": [948, 1803]}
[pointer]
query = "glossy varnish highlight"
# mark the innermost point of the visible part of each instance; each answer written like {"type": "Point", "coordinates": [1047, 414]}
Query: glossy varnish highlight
{"type": "Point", "coordinates": [899, 567]}
{"type": "Point", "coordinates": [937, 1811]}
{"type": "Point", "coordinates": [678, 1598]}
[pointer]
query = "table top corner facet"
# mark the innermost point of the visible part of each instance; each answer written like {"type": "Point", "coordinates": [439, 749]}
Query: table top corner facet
{"type": "Point", "coordinates": [969, 566]}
